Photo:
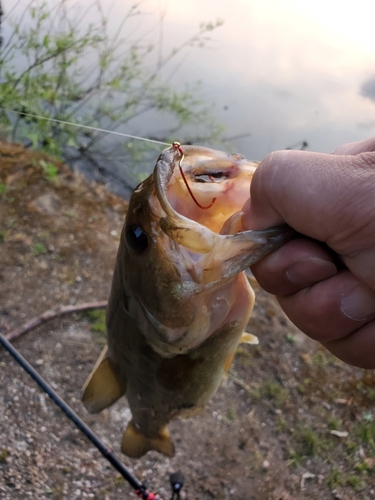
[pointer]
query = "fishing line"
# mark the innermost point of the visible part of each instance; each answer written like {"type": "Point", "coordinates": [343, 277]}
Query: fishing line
{"type": "Point", "coordinates": [139, 488]}
{"type": "Point", "coordinates": [175, 145]}
{"type": "Point", "coordinates": [87, 127]}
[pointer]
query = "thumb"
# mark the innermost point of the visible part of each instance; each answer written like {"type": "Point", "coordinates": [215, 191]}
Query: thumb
{"type": "Point", "coordinates": [324, 196]}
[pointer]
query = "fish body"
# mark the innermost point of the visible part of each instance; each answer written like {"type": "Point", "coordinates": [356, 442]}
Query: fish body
{"type": "Point", "coordinates": [180, 300]}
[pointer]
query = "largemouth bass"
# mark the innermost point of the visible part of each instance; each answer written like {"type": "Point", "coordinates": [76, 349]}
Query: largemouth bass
{"type": "Point", "coordinates": [180, 301]}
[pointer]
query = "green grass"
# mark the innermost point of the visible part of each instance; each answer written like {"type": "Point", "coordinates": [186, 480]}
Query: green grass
{"type": "Point", "coordinates": [3, 455]}
{"type": "Point", "coordinates": [97, 319]}
{"type": "Point", "coordinates": [50, 170]}
{"type": "Point", "coordinates": [335, 479]}
{"type": "Point", "coordinates": [231, 414]}
{"type": "Point", "coordinates": [334, 423]}
{"type": "Point", "coordinates": [39, 249]}
{"type": "Point", "coordinates": [274, 391]}
{"type": "Point", "coordinates": [356, 482]}
{"type": "Point", "coordinates": [281, 424]}
{"type": "Point", "coordinates": [291, 339]}
{"type": "Point", "coordinates": [308, 443]}
{"type": "Point", "coordinates": [295, 458]}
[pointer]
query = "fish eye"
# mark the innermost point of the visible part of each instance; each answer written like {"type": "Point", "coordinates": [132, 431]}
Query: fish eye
{"type": "Point", "coordinates": [136, 239]}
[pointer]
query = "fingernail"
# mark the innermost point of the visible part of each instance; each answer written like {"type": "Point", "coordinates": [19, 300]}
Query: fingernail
{"type": "Point", "coordinates": [310, 270]}
{"type": "Point", "coordinates": [358, 302]}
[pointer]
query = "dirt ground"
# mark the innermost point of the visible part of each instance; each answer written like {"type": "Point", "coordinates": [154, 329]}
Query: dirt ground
{"type": "Point", "coordinates": [290, 422]}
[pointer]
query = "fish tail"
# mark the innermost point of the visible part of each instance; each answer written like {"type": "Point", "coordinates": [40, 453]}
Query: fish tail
{"type": "Point", "coordinates": [135, 444]}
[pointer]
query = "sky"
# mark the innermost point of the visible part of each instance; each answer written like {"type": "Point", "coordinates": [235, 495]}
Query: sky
{"type": "Point", "coordinates": [277, 72]}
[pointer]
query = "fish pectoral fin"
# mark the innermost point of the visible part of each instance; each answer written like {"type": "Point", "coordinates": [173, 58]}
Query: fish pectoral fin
{"type": "Point", "coordinates": [135, 444]}
{"type": "Point", "coordinates": [102, 388]}
{"type": "Point", "coordinates": [249, 338]}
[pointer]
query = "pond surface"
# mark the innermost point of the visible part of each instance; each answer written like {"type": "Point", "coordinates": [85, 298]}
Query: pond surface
{"type": "Point", "coordinates": [275, 74]}
{"type": "Point", "coordinates": [282, 72]}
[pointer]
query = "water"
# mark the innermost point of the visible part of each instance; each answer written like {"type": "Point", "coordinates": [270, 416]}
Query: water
{"type": "Point", "coordinates": [275, 74]}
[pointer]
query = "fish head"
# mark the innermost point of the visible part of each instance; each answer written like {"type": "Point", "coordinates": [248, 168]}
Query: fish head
{"type": "Point", "coordinates": [183, 244]}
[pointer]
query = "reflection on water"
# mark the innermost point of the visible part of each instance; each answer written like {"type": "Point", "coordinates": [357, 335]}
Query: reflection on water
{"type": "Point", "coordinates": [277, 73]}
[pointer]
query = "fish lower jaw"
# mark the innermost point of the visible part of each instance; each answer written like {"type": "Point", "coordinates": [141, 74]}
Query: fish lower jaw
{"type": "Point", "coordinates": [167, 341]}
{"type": "Point", "coordinates": [169, 346]}
{"type": "Point", "coordinates": [167, 350]}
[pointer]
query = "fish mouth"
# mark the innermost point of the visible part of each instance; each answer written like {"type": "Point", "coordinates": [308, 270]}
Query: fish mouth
{"type": "Point", "coordinates": [228, 178]}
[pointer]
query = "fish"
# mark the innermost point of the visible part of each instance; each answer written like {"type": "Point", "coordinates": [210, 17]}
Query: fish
{"type": "Point", "coordinates": [180, 300]}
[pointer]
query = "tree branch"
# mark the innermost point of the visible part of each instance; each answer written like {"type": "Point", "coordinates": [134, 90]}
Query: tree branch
{"type": "Point", "coordinates": [53, 313]}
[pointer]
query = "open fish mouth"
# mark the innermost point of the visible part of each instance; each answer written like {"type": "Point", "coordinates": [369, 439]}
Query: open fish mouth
{"type": "Point", "coordinates": [201, 192]}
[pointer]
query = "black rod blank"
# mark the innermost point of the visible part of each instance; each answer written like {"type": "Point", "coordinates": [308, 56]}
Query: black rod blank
{"type": "Point", "coordinates": [139, 488]}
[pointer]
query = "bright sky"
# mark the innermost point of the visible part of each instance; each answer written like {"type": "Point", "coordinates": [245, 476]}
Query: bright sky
{"type": "Point", "coordinates": [282, 71]}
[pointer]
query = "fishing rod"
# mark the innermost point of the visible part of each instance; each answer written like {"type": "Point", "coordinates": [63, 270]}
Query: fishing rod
{"type": "Point", "coordinates": [139, 488]}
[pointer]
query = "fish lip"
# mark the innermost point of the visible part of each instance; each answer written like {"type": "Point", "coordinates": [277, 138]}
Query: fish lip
{"type": "Point", "coordinates": [162, 174]}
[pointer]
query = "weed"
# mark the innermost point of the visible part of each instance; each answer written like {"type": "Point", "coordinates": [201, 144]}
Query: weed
{"type": "Point", "coordinates": [244, 357]}
{"type": "Point", "coordinates": [294, 458]}
{"type": "Point", "coordinates": [367, 416]}
{"type": "Point", "coordinates": [334, 423]}
{"type": "Point", "coordinates": [363, 467]}
{"type": "Point", "coordinates": [232, 414]}
{"type": "Point", "coordinates": [3, 188]}
{"type": "Point", "coordinates": [366, 432]}
{"type": "Point", "coordinates": [371, 393]}
{"type": "Point", "coordinates": [351, 446]}
{"type": "Point", "coordinates": [119, 480]}
{"type": "Point", "coordinates": [97, 319]}
{"type": "Point", "coordinates": [319, 359]}
{"type": "Point", "coordinates": [281, 425]}
{"type": "Point", "coordinates": [335, 479]}
{"type": "Point", "coordinates": [71, 214]}
{"type": "Point", "coordinates": [291, 339]}
{"type": "Point", "coordinates": [301, 388]}
{"type": "Point", "coordinates": [274, 391]}
{"type": "Point", "coordinates": [356, 482]}
{"type": "Point", "coordinates": [255, 459]}
{"type": "Point", "coordinates": [2, 236]}
{"type": "Point", "coordinates": [3, 455]}
{"type": "Point", "coordinates": [50, 169]}
{"type": "Point", "coordinates": [308, 441]}
{"type": "Point", "coordinates": [39, 249]}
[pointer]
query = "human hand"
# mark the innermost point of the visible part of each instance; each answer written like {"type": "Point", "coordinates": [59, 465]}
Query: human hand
{"type": "Point", "coordinates": [324, 279]}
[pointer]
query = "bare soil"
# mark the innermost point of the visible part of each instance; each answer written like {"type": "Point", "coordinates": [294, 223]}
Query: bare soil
{"type": "Point", "coordinates": [290, 422]}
